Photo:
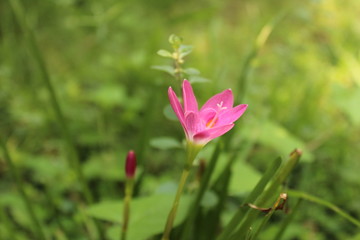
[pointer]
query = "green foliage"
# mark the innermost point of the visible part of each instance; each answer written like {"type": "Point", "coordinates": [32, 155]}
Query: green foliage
{"type": "Point", "coordinates": [78, 90]}
{"type": "Point", "coordinates": [148, 214]}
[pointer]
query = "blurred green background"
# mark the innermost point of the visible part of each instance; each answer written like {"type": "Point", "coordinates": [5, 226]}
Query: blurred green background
{"type": "Point", "coordinates": [296, 63]}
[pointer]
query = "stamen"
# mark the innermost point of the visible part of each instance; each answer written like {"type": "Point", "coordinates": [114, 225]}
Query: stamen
{"type": "Point", "coordinates": [212, 122]}
{"type": "Point", "coordinates": [220, 106]}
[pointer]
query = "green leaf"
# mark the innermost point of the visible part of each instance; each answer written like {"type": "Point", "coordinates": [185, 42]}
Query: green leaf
{"type": "Point", "coordinates": [165, 68]}
{"type": "Point", "coordinates": [175, 41]}
{"type": "Point", "coordinates": [191, 71]}
{"type": "Point", "coordinates": [164, 53]}
{"type": "Point", "coordinates": [148, 214]}
{"type": "Point", "coordinates": [164, 143]}
{"type": "Point", "coordinates": [185, 50]}
{"type": "Point", "coordinates": [169, 113]}
{"type": "Point", "coordinates": [198, 79]}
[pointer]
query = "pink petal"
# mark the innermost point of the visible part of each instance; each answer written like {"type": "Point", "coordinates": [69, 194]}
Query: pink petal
{"type": "Point", "coordinates": [225, 99]}
{"type": "Point", "coordinates": [207, 114]}
{"type": "Point", "coordinates": [231, 115]}
{"type": "Point", "coordinates": [190, 103]}
{"type": "Point", "coordinates": [205, 136]}
{"type": "Point", "coordinates": [192, 123]}
{"type": "Point", "coordinates": [176, 106]}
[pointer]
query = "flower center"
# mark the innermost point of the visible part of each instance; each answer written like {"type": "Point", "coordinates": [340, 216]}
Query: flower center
{"type": "Point", "coordinates": [211, 123]}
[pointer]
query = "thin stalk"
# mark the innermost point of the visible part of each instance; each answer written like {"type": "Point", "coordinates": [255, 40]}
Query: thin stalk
{"type": "Point", "coordinates": [177, 64]}
{"type": "Point", "coordinates": [19, 184]}
{"type": "Point", "coordinates": [172, 214]}
{"type": "Point", "coordinates": [129, 186]}
{"type": "Point", "coordinates": [266, 219]}
{"type": "Point", "coordinates": [324, 203]}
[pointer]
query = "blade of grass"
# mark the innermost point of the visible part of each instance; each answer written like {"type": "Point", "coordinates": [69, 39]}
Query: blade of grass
{"type": "Point", "coordinates": [314, 199]}
{"type": "Point", "coordinates": [259, 43]}
{"type": "Point", "coordinates": [285, 223]}
{"type": "Point", "coordinates": [247, 66]}
{"type": "Point", "coordinates": [266, 218]}
{"type": "Point", "coordinates": [19, 184]}
{"type": "Point", "coordinates": [238, 217]}
{"type": "Point", "coordinates": [267, 195]}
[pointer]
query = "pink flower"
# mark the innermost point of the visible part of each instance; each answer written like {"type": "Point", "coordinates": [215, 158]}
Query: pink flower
{"type": "Point", "coordinates": [215, 118]}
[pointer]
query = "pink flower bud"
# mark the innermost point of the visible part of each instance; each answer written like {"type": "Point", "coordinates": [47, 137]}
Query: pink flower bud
{"type": "Point", "coordinates": [130, 164]}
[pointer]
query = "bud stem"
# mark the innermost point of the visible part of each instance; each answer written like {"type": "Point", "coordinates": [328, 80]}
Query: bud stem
{"type": "Point", "coordinates": [129, 185]}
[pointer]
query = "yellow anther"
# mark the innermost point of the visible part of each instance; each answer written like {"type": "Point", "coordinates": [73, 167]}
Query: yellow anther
{"type": "Point", "coordinates": [211, 123]}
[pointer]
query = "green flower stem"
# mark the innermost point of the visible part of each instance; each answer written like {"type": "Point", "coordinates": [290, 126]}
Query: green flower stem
{"type": "Point", "coordinates": [19, 184]}
{"type": "Point", "coordinates": [193, 211]}
{"type": "Point", "coordinates": [129, 186]}
{"type": "Point", "coordinates": [172, 214]}
{"type": "Point", "coordinates": [192, 151]}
